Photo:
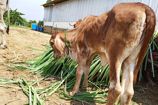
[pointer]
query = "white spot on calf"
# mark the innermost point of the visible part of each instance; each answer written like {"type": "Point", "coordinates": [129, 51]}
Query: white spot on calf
{"type": "Point", "coordinates": [112, 84]}
{"type": "Point", "coordinates": [132, 65]}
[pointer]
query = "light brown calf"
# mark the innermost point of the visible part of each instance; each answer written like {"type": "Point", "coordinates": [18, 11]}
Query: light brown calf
{"type": "Point", "coordinates": [120, 37]}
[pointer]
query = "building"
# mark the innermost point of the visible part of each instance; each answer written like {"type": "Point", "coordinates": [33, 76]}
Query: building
{"type": "Point", "coordinates": [62, 13]}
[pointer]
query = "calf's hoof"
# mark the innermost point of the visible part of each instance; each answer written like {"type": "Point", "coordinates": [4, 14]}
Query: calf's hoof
{"type": "Point", "coordinates": [72, 93]}
{"type": "Point", "coordinates": [83, 89]}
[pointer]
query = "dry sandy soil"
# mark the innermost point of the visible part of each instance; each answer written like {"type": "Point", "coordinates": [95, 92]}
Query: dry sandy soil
{"type": "Point", "coordinates": [21, 45]}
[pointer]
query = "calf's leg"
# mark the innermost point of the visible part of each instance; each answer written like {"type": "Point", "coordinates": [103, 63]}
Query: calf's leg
{"type": "Point", "coordinates": [85, 81]}
{"type": "Point", "coordinates": [115, 87]}
{"type": "Point", "coordinates": [127, 82]}
{"type": "Point", "coordinates": [82, 68]}
{"type": "Point", "coordinates": [79, 73]}
{"type": "Point", "coordinates": [128, 68]}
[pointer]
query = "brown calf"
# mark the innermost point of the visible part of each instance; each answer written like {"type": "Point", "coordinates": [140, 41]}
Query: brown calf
{"type": "Point", "coordinates": [120, 37]}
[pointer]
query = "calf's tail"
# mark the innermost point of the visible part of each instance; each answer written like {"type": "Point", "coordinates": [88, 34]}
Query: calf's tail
{"type": "Point", "coordinates": [148, 33]}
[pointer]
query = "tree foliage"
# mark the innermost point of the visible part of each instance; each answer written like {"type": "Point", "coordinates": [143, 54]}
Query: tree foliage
{"type": "Point", "coordinates": [40, 23]}
{"type": "Point", "coordinates": [15, 18]}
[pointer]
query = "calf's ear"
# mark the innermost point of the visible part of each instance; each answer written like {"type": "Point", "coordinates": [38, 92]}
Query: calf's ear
{"type": "Point", "coordinates": [53, 35]}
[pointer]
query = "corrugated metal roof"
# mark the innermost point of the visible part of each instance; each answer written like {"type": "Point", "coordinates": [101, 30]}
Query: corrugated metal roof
{"type": "Point", "coordinates": [52, 2]}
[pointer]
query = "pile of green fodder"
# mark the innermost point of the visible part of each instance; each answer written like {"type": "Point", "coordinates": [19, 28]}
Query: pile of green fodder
{"type": "Point", "coordinates": [47, 65]}
{"type": "Point", "coordinates": [64, 69]}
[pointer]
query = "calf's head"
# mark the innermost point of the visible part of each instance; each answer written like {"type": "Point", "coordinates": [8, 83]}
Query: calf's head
{"type": "Point", "coordinates": [59, 44]}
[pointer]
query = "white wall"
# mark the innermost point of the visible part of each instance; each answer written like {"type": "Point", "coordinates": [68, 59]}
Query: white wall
{"type": "Point", "coordinates": [73, 10]}
{"type": "Point", "coordinates": [64, 25]}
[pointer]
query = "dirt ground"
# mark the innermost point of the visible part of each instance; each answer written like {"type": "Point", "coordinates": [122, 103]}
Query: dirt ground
{"type": "Point", "coordinates": [25, 44]}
